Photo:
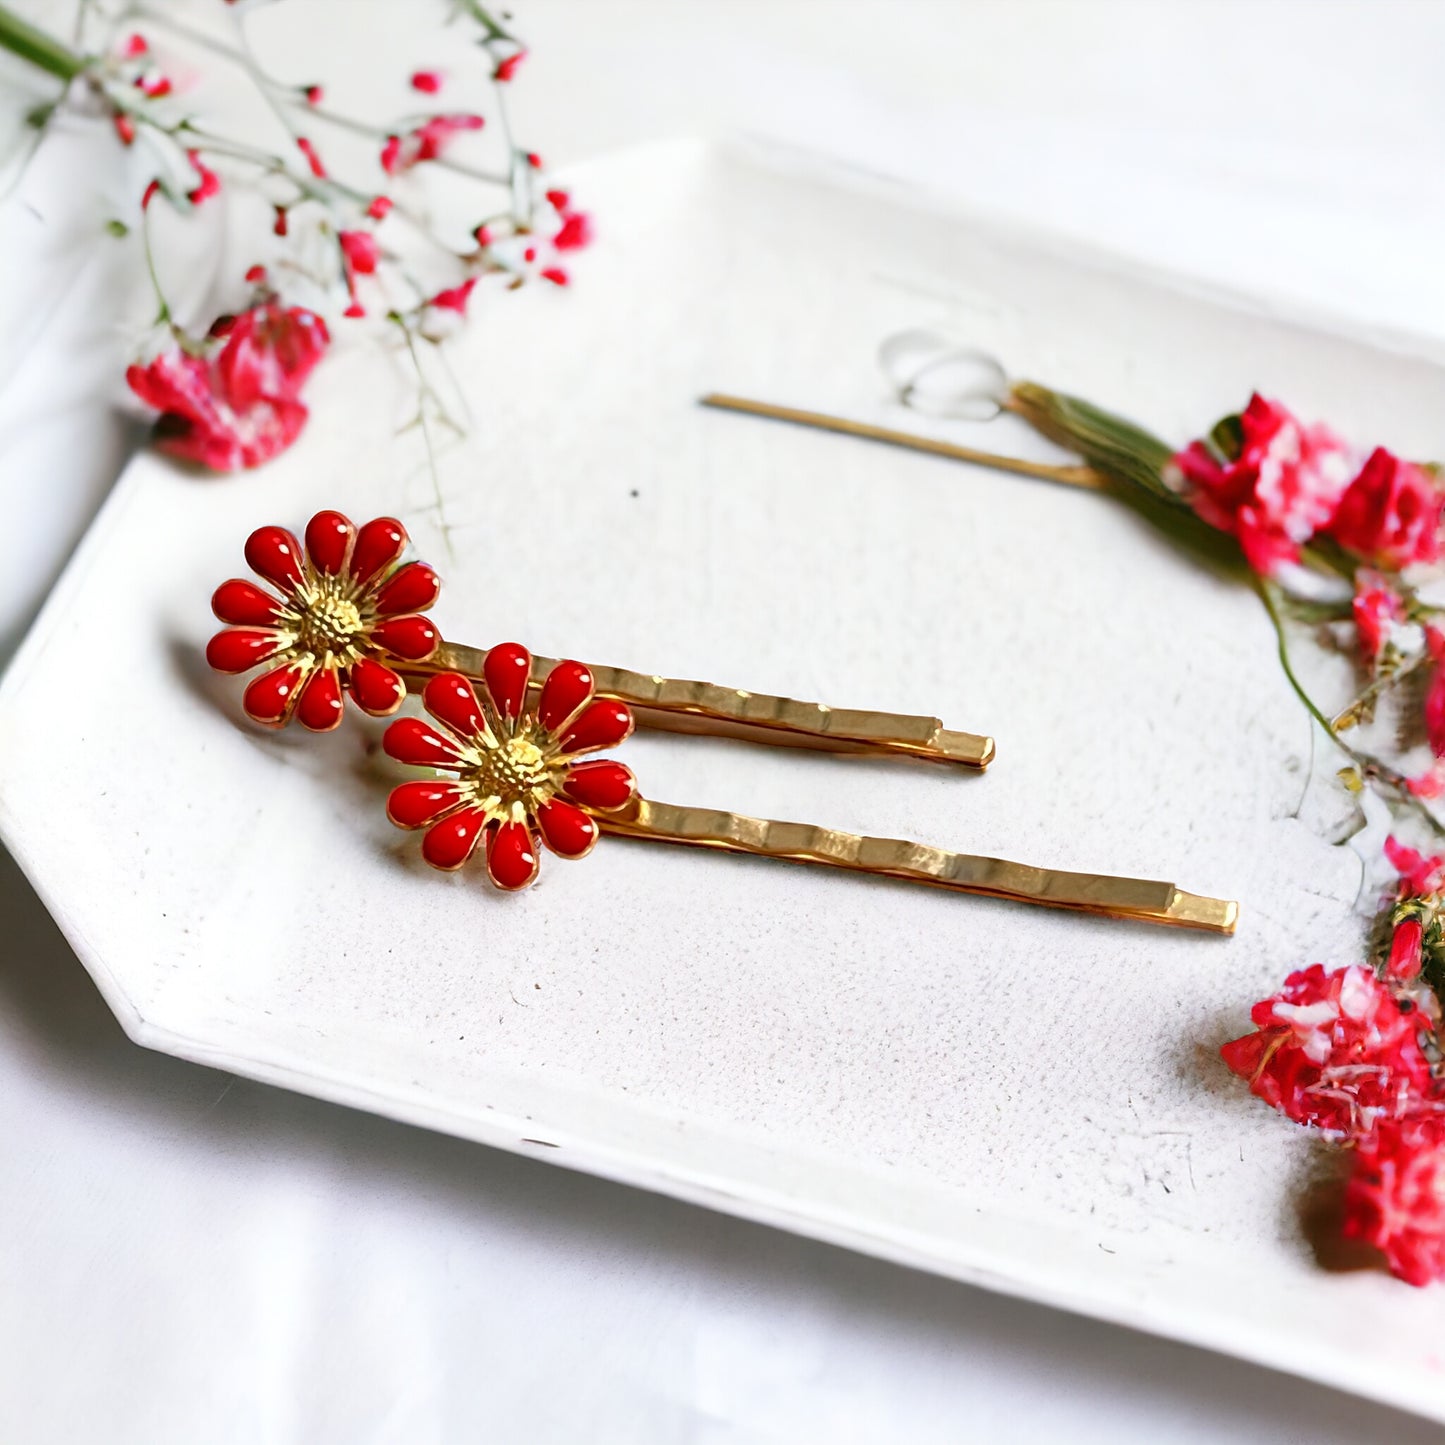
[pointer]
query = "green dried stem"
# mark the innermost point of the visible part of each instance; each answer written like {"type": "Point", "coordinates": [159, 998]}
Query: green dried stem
{"type": "Point", "coordinates": [21, 38]}
{"type": "Point", "coordinates": [1131, 460]}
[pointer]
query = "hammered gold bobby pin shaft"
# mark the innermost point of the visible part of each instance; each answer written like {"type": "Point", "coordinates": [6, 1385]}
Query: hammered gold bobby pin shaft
{"type": "Point", "coordinates": [513, 772]}
{"type": "Point", "coordinates": [351, 619]}
{"type": "Point", "coordinates": [667, 704]}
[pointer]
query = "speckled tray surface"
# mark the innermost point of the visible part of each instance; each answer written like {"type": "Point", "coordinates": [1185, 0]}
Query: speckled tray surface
{"type": "Point", "coordinates": [1024, 1099]}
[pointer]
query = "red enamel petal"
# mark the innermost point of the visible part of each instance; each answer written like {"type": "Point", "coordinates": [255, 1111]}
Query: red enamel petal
{"type": "Point", "coordinates": [245, 604]}
{"type": "Point", "coordinates": [511, 856]}
{"type": "Point", "coordinates": [417, 805]}
{"type": "Point", "coordinates": [275, 554]}
{"type": "Point", "coordinates": [507, 668]}
{"type": "Point", "coordinates": [376, 688]}
{"type": "Point", "coordinates": [450, 699]}
{"type": "Point", "coordinates": [603, 725]}
{"type": "Point", "coordinates": [603, 784]}
{"type": "Point", "coordinates": [566, 829]}
{"type": "Point", "coordinates": [328, 539]}
{"type": "Point", "coordinates": [450, 843]}
{"type": "Point", "coordinates": [413, 638]}
{"type": "Point", "coordinates": [567, 690]}
{"type": "Point", "coordinates": [378, 545]}
{"type": "Point", "coordinates": [412, 588]}
{"type": "Point", "coordinates": [320, 707]}
{"type": "Point", "coordinates": [236, 649]}
{"type": "Point", "coordinates": [409, 740]}
{"type": "Point", "coordinates": [270, 698]}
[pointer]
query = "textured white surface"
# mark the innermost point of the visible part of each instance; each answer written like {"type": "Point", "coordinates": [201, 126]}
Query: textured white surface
{"type": "Point", "coordinates": [197, 1257]}
{"type": "Point", "coordinates": [1021, 1098]}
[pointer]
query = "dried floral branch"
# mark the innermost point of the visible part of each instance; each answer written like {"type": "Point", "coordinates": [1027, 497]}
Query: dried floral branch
{"type": "Point", "coordinates": [1338, 538]}
{"type": "Point", "coordinates": [228, 397]}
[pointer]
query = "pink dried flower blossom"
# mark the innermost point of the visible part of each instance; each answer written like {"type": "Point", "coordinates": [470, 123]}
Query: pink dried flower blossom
{"type": "Point", "coordinates": [134, 45]}
{"type": "Point", "coordinates": [360, 250]}
{"type": "Point", "coordinates": [429, 82]}
{"type": "Point", "coordinates": [1395, 1199]}
{"type": "Point", "coordinates": [555, 274]}
{"type": "Point", "coordinates": [1428, 785]}
{"type": "Point", "coordinates": [359, 256]}
{"type": "Point", "coordinates": [454, 298]}
{"type": "Point", "coordinates": [1334, 1050]}
{"type": "Point", "coordinates": [1377, 609]}
{"type": "Point", "coordinates": [154, 86]}
{"type": "Point", "coordinates": [507, 69]}
{"type": "Point", "coordinates": [124, 127]}
{"type": "Point", "coordinates": [314, 94]}
{"type": "Point", "coordinates": [241, 405]}
{"type": "Point", "coordinates": [434, 135]}
{"type": "Point", "coordinates": [533, 160]}
{"type": "Point", "coordinates": [256, 275]}
{"type": "Point", "coordinates": [576, 232]}
{"type": "Point", "coordinates": [209, 183]}
{"type": "Point", "coordinates": [379, 208]}
{"type": "Point", "coordinates": [482, 235]}
{"type": "Point", "coordinates": [1280, 490]}
{"type": "Point", "coordinates": [312, 158]}
{"type": "Point", "coordinates": [1420, 874]}
{"type": "Point", "coordinates": [1435, 693]}
{"type": "Point", "coordinates": [426, 142]}
{"type": "Point", "coordinates": [1391, 513]}
{"type": "Point", "coordinates": [1407, 950]}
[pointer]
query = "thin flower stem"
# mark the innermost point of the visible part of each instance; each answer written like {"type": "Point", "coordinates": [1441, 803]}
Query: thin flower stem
{"type": "Point", "coordinates": [483, 16]}
{"type": "Point", "coordinates": [82, 16]}
{"type": "Point", "coordinates": [313, 187]}
{"type": "Point", "coordinates": [425, 390]}
{"type": "Point", "coordinates": [164, 315]}
{"type": "Point", "coordinates": [1381, 682]}
{"type": "Point", "coordinates": [279, 96]}
{"type": "Point", "coordinates": [1372, 767]}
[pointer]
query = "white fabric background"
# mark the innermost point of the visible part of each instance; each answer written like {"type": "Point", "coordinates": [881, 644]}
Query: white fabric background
{"type": "Point", "coordinates": [192, 1258]}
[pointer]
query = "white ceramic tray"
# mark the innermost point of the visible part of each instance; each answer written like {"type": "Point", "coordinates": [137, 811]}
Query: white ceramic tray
{"type": "Point", "coordinates": [1026, 1100]}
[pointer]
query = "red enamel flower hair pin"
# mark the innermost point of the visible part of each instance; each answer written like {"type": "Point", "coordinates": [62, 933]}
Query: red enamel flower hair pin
{"type": "Point", "coordinates": [509, 742]}
{"type": "Point", "coordinates": [516, 770]}
{"type": "Point", "coordinates": [348, 616]}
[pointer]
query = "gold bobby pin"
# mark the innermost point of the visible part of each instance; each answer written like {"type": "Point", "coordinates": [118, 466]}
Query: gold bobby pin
{"type": "Point", "coordinates": [350, 619]}
{"type": "Point", "coordinates": [668, 704]}
{"type": "Point", "coordinates": [1136, 898]}
{"type": "Point", "coordinates": [510, 769]}
{"type": "Point", "coordinates": [1070, 476]}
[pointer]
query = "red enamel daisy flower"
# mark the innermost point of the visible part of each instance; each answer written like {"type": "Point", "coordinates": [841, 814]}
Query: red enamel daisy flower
{"type": "Point", "coordinates": [516, 769]}
{"type": "Point", "coordinates": [346, 615]}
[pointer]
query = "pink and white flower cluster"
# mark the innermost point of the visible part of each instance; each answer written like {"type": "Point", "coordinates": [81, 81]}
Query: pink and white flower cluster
{"type": "Point", "coordinates": [1341, 1051]}
{"type": "Point", "coordinates": [232, 397]}
{"type": "Point", "coordinates": [1282, 484]}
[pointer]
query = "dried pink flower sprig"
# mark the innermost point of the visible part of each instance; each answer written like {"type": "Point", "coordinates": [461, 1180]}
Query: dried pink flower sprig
{"type": "Point", "coordinates": [1330, 533]}
{"type": "Point", "coordinates": [1342, 539]}
{"type": "Point", "coordinates": [225, 415]}
{"type": "Point", "coordinates": [1354, 1053]}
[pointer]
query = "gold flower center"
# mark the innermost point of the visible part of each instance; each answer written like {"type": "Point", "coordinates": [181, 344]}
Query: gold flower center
{"type": "Point", "coordinates": [329, 623]}
{"type": "Point", "coordinates": [514, 771]}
